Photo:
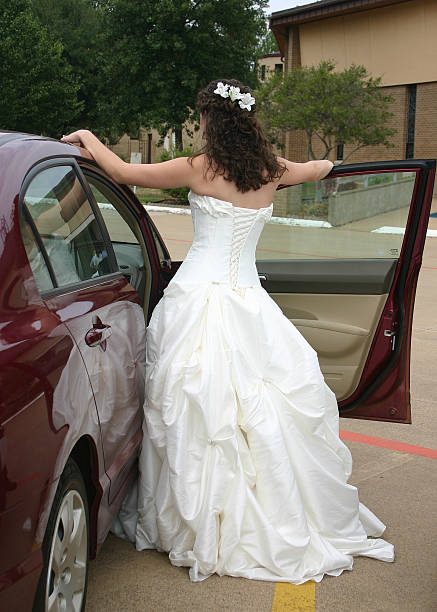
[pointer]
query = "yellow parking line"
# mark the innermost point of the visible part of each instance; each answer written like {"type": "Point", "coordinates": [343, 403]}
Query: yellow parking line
{"type": "Point", "coordinates": [294, 597]}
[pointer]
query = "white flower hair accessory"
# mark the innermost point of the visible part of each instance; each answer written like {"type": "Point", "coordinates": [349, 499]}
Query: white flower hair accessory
{"type": "Point", "coordinates": [234, 93]}
{"type": "Point", "coordinates": [245, 100]}
{"type": "Point", "coordinates": [222, 90]}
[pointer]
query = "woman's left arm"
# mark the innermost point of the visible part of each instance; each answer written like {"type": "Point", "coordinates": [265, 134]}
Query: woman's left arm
{"type": "Point", "coordinates": [170, 174]}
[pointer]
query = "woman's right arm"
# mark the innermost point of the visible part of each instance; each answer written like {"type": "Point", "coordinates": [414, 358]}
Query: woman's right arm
{"type": "Point", "coordinates": [169, 174]}
{"type": "Point", "coordinates": [306, 172]}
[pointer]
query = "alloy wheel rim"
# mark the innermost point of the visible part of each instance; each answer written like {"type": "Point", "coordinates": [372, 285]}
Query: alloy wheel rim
{"type": "Point", "coordinates": [66, 572]}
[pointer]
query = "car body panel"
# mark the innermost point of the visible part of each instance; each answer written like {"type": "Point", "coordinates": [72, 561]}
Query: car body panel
{"type": "Point", "coordinates": [116, 374]}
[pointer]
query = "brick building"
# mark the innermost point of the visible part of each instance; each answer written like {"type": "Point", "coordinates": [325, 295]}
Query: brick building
{"type": "Point", "coordinates": [394, 39]}
{"type": "Point", "coordinates": [151, 146]}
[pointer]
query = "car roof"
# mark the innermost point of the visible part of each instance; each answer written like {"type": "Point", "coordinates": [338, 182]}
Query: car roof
{"type": "Point", "coordinates": [41, 145]}
{"type": "Point", "coordinates": [9, 135]}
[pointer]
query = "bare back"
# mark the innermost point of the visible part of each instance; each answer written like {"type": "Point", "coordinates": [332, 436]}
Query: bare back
{"type": "Point", "coordinates": [203, 182]}
{"type": "Point", "coordinates": [218, 187]}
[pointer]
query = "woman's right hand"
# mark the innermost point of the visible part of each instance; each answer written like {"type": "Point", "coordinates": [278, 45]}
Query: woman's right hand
{"type": "Point", "coordinates": [76, 139]}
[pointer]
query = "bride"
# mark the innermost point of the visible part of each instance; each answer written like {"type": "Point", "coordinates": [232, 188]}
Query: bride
{"type": "Point", "coordinates": [242, 471]}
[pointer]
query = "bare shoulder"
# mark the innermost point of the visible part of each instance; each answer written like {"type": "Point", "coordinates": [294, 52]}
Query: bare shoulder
{"type": "Point", "coordinates": [198, 164]}
{"type": "Point", "coordinates": [201, 174]}
{"type": "Point", "coordinates": [303, 172]}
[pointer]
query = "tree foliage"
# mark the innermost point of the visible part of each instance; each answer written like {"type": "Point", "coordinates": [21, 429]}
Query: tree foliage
{"type": "Point", "coordinates": [347, 107]}
{"type": "Point", "coordinates": [113, 65]}
{"type": "Point", "coordinates": [38, 92]}
{"type": "Point", "coordinates": [267, 43]}
{"type": "Point", "coordinates": [78, 25]}
{"type": "Point", "coordinates": [163, 51]}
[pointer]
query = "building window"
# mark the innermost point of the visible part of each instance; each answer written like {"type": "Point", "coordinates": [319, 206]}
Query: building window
{"type": "Point", "coordinates": [278, 67]}
{"type": "Point", "coordinates": [340, 151]}
{"type": "Point", "coordinates": [263, 72]}
{"type": "Point", "coordinates": [411, 120]}
{"type": "Point", "coordinates": [149, 148]}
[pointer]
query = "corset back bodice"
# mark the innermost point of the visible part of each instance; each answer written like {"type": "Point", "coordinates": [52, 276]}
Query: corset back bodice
{"type": "Point", "coordinates": [224, 242]}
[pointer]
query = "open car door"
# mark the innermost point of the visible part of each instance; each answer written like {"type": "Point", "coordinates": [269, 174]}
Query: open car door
{"type": "Point", "coordinates": [341, 258]}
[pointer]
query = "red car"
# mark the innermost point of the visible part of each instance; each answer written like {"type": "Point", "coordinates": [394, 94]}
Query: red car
{"type": "Point", "coordinates": [82, 266]}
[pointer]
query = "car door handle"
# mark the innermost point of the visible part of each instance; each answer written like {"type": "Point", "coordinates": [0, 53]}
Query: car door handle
{"type": "Point", "coordinates": [98, 334]}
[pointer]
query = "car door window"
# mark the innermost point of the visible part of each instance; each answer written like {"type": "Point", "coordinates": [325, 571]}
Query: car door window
{"type": "Point", "coordinates": [350, 217]}
{"type": "Point", "coordinates": [124, 233]}
{"type": "Point", "coordinates": [69, 230]}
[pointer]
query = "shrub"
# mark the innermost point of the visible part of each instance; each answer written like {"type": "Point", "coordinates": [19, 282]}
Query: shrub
{"type": "Point", "coordinates": [180, 193]}
{"type": "Point", "coordinates": [312, 209]}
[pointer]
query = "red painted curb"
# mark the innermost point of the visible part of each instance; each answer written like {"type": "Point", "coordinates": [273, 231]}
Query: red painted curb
{"type": "Point", "coordinates": [402, 447]}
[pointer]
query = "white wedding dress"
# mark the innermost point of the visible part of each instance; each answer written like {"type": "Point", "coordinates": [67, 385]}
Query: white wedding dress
{"type": "Point", "coordinates": [242, 471]}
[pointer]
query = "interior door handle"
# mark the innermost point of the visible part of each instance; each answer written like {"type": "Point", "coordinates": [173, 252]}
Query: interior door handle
{"type": "Point", "coordinates": [98, 334]}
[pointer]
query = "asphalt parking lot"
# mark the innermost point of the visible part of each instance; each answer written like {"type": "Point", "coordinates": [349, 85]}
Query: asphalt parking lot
{"type": "Point", "coordinates": [398, 483]}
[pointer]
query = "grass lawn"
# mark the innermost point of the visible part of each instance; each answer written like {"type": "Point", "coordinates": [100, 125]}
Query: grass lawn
{"type": "Point", "coordinates": [145, 195]}
{"type": "Point", "coordinates": [150, 196]}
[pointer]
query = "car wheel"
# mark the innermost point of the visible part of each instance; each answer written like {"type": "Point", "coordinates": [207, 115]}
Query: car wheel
{"type": "Point", "coordinates": [63, 581]}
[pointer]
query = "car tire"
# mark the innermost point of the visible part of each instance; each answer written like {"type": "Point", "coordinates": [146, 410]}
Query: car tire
{"type": "Point", "coordinates": [64, 577]}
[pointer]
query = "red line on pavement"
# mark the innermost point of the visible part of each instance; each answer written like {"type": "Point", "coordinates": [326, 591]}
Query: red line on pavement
{"type": "Point", "coordinates": [402, 447]}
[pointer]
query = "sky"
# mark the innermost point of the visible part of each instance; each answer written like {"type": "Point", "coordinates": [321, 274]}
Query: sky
{"type": "Point", "coordinates": [281, 5]}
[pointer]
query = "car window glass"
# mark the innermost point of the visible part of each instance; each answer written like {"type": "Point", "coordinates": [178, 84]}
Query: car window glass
{"type": "Point", "coordinates": [36, 259]}
{"type": "Point", "coordinates": [66, 223]}
{"type": "Point", "coordinates": [124, 233]}
{"type": "Point", "coordinates": [118, 228]}
{"type": "Point", "coordinates": [359, 216]}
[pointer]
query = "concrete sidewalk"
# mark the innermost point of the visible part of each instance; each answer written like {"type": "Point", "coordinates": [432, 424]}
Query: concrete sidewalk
{"type": "Point", "coordinates": [400, 488]}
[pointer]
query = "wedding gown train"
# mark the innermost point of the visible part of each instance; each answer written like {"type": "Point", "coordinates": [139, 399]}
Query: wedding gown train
{"type": "Point", "coordinates": [242, 471]}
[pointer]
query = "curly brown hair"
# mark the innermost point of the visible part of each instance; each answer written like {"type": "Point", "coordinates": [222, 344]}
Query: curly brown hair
{"type": "Point", "coordinates": [236, 147]}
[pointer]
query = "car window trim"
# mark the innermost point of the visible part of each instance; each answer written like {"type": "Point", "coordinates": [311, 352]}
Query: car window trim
{"type": "Point", "coordinates": [72, 162]}
{"type": "Point", "coordinates": [85, 284]}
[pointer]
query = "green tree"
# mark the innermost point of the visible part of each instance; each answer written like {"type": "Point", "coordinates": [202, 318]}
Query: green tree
{"type": "Point", "coordinates": [267, 43]}
{"type": "Point", "coordinates": [164, 51]}
{"type": "Point", "coordinates": [347, 107]}
{"type": "Point", "coordinates": [78, 25]}
{"type": "Point", "coordinates": [38, 92]}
